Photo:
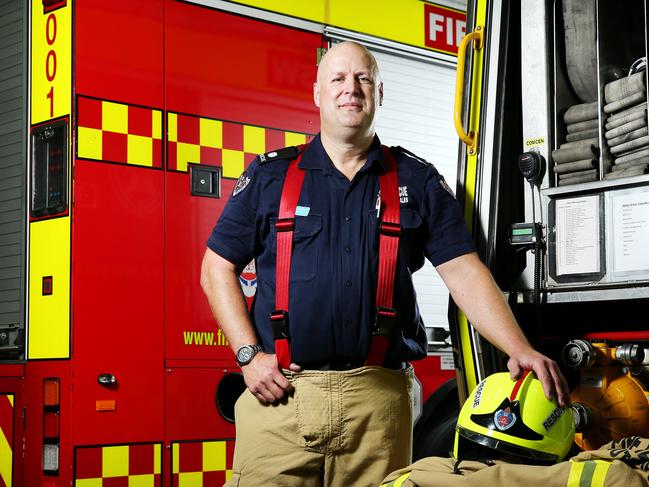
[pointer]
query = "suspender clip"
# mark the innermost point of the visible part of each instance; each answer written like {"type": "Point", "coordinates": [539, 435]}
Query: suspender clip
{"type": "Point", "coordinates": [285, 224]}
{"type": "Point", "coordinates": [384, 321]}
{"type": "Point", "coordinates": [279, 320]}
{"type": "Point", "coordinates": [390, 229]}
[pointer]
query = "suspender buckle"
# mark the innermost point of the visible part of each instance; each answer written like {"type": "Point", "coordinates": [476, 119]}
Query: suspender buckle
{"type": "Point", "coordinates": [285, 224]}
{"type": "Point", "coordinates": [384, 321]}
{"type": "Point", "coordinates": [390, 229]}
{"type": "Point", "coordinates": [279, 320]}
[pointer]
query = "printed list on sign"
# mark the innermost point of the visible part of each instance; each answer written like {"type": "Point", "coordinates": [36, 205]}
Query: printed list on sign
{"type": "Point", "coordinates": [630, 232]}
{"type": "Point", "coordinates": [577, 236]}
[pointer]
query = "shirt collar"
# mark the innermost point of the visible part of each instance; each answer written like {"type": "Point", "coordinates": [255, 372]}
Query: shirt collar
{"type": "Point", "coordinates": [315, 157]}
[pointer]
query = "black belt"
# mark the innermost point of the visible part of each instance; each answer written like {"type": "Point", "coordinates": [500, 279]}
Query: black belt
{"type": "Point", "coordinates": [342, 365]}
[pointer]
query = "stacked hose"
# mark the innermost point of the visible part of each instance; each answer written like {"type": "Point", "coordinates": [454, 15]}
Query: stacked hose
{"type": "Point", "coordinates": [576, 161]}
{"type": "Point", "coordinates": [626, 133]}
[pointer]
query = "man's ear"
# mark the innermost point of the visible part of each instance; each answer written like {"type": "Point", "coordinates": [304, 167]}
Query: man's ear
{"type": "Point", "coordinates": [316, 94]}
{"type": "Point", "coordinates": [381, 93]}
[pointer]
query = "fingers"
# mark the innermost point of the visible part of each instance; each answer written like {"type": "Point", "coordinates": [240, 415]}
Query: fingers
{"type": "Point", "coordinates": [264, 379]}
{"type": "Point", "coordinates": [514, 368]}
{"type": "Point", "coordinates": [561, 386]}
{"type": "Point", "coordinates": [547, 371]}
{"type": "Point", "coordinates": [295, 367]}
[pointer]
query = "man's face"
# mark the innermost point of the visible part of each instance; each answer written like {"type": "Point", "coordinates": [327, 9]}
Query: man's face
{"type": "Point", "coordinates": [347, 91]}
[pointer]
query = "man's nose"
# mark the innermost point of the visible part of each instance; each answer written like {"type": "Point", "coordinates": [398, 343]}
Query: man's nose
{"type": "Point", "coordinates": [352, 85]}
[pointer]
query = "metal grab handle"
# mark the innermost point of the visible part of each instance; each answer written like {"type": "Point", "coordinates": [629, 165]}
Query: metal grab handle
{"type": "Point", "coordinates": [477, 36]}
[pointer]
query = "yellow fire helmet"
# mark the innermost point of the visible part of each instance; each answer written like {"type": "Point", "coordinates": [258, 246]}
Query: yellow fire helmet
{"type": "Point", "coordinates": [515, 419]}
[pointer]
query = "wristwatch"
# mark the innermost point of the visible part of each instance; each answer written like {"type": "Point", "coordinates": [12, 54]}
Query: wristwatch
{"type": "Point", "coordinates": [246, 353]}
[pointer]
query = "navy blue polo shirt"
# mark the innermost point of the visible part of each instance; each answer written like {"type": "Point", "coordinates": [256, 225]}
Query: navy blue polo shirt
{"type": "Point", "coordinates": [333, 280]}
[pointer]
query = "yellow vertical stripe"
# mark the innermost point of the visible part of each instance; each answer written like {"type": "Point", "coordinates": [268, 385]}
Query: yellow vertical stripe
{"type": "Point", "coordinates": [213, 456]}
{"type": "Point", "coordinates": [6, 459]}
{"type": "Point", "coordinates": [601, 469]}
{"type": "Point", "coordinates": [51, 98]}
{"type": "Point", "coordinates": [576, 468]}
{"type": "Point", "coordinates": [114, 461]}
{"type": "Point", "coordinates": [49, 246]}
{"type": "Point", "coordinates": [211, 133]}
{"type": "Point", "coordinates": [470, 181]}
{"type": "Point", "coordinates": [114, 117]}
{"type": "Point", "coordinates": [49, 316]}
{"type": "Point", "coordinates": [89, 143]}
{"type": "Point", "coordinates": [175, 452]}
{"type": "Point", "coordinates": [11, 399]}
{"type": "Point", "coordinates": [157, 450]}
{"type": "Point", "coordinates": [156, 124]}
{"type": "Point", "coordinates": [172, 127]}
{"type": "Point", "coordinates": [254, 139]}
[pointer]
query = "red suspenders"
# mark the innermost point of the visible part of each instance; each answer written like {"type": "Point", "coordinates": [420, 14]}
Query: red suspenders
{"type": "Point", "coordinates": [389, 230]}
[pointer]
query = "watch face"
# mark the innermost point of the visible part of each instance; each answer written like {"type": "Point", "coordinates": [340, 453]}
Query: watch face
{"type": "Point", "coordinates": [244, 355]}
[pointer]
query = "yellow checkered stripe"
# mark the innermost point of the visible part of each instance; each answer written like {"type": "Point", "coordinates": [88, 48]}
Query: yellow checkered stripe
{"type": "Point", "coordinates": [588, 474]}
{"type": "Point", "coordinates": [6, 438]}
{"type": "Point", "coordinates": [134, 465]}
{"type": "Point", "coordinates": [231, 145]}
{"type": "Point", "coordinates": [115, 132]}
{"type": "Point", "coordinates": [199, 463]}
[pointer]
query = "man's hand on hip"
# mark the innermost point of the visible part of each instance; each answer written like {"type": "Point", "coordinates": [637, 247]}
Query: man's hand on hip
{"type": "Point", "coordinates": [265, 380]}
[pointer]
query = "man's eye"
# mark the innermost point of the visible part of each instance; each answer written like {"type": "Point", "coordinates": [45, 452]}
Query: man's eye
{"type": "Point", "coordinates": [364, 79]}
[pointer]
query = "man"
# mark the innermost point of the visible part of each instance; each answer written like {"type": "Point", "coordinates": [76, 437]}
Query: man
{"type": "Point", "coordinates": [328, 418]}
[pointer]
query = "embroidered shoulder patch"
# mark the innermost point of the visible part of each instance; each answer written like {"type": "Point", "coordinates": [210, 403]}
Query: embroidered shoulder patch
{"type": "Point", "coordinates": [445, 185]}
{"type": "Point", "coordinates": [241, 184]}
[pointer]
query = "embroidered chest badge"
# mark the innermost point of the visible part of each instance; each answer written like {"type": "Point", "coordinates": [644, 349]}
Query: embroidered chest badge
{"type": "Point", "coordinates": [504, 419]}
{"type": "Point", "coordinates": [403, 194]}
{"type": "Point", "coordinates": [241, 184]}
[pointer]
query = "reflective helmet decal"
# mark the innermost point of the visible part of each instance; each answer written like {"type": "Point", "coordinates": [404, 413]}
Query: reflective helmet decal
{"type": "Point", "coordinates": [504, 419]}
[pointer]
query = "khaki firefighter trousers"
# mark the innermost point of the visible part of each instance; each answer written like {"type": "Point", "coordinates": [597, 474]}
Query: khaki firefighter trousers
{"type": "Point", "coordinates": [348, 428]}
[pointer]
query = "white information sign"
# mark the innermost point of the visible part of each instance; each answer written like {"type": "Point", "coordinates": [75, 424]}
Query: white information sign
{"type": "Point", "coordinates": [630, 216]}
{"type": "Point", "coordinates": [577, 235]}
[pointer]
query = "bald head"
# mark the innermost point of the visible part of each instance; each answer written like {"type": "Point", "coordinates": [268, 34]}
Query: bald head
{"type": "Point", "coordinates": [346, 49]}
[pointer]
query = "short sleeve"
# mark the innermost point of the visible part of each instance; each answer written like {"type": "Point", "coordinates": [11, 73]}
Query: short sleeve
{"type": "Point", "coordinates": [235, 236]}
{"type": "Point", "coordinates": [447, 233]}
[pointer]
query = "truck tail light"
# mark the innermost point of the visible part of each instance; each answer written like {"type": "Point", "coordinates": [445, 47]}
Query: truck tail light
{"type": "Point", "coordinates": [51, 424]}
{"type": "Point", "coordinates": [51, 392]}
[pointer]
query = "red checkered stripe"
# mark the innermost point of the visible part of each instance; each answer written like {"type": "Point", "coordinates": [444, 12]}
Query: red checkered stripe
{"type": "Point", "coordinates": [116, 132]}
{"type": "Point", "coordinates": [199, 463]}
{"type": "Point", "coordinates": [118, 465]}
{"type": "Point", "coordinates": [230, 145]}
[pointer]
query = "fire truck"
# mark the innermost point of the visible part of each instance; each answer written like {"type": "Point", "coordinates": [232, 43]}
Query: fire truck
{"type": "Point", "coordinates": [551, 108]}
{"type": "Point", "coordinates": [124, 126]}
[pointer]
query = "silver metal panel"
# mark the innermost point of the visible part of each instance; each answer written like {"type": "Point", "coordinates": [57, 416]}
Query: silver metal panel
{"type": "Point", "coordinates": [12, 160]}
